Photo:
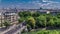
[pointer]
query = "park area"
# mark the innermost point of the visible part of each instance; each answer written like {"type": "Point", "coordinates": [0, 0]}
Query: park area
{"type": "Point", "coordinates": [49, 22]}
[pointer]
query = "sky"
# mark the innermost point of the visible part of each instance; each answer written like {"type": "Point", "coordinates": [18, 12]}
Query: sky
{"type": "Point", "coordinates": [30, 4]}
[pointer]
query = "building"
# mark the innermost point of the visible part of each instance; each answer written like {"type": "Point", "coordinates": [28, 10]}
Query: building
{"type": "Point", "coordinates": [11, 17]}
{"type": "Point", "coordinates": [1, 19]}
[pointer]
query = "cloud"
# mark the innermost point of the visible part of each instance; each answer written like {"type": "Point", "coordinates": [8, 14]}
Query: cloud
{"type": "Point", "coordinates": [44, 0]}
{"type": "Point", "coordinates": [44, 4]}
{"type": "Point", "coordinates": [37, 4]}
{"type": "Point", "coordinates": [50, 4]}
{"type": "Point", "coordinates": [47, 4]}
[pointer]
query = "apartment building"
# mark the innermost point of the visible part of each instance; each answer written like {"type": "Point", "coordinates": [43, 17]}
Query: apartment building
{"type": "Point", "coordinates": [1, 18]}
{"type": "Point", "coordinates": [11, 17]}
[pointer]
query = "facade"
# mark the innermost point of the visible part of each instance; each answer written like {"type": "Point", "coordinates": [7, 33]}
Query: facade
{"type": "Point", "coordinates": [1, 18]}
{"type": "Point", "coordinates": [11, 17]}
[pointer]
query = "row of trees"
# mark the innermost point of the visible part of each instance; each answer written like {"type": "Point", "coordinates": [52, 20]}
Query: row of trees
{"type": "Point", "coordinates": [37, 19]}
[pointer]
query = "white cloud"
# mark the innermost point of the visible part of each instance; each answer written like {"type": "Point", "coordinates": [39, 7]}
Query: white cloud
{"type": "Point", "coordinates": [44, 3]}
{"type": "Point", "coordinates": [44, 0]}
{"type": "Point", "coordinates": [50, 1]}
{"type": "Point", "coordinates": [47, 4]}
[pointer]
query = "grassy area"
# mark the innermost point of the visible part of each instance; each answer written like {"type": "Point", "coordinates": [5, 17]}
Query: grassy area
{"type": "Point", "coordinates": [44, 32]}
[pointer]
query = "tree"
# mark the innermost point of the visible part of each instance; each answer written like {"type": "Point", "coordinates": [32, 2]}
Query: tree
{"type": "Point", "coordinates": [57, 23]}
{"type": "Point", "coordinates": [21, 14]}
{"type": "Point", "coordinates": [28, 27]}
{"type": "Point", "coordinates": [36, 14]}
{"type": "Point", "coordinates": [6, 24]}
{"type": "Point", "coordinates": [31, 21]}
{"type": "Point", "coordinates": [58, 15]}
{"type": "Point", "coordinates": [27, 13]}
{"type": "Point", "coordinates": [42, 20]}
{"type": "Point", "coordinates": [51, 22]}
{"type": "Point", "coordinates": [21, 19]}
{"type": "Point", "coordinates": [24, 14]}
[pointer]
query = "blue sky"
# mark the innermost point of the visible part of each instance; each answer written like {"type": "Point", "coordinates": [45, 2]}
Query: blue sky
{"type": "Point", "coordinates": [27, 4]}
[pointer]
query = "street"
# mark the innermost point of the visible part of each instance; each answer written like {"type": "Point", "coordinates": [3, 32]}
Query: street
{"type": "Point", "coordinates": [13, 29]}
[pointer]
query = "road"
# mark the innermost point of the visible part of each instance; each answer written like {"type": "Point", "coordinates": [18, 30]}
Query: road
{"type": "Point", "coordinates": [20, 30]}
{"type": "Point", "coordinates": [14, 29]}
{"type": "Point", "coordinates": [7, 29]}
{"type": "Point", "coordinates": [3, 29]}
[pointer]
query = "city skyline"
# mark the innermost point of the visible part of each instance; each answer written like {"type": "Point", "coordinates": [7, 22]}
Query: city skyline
{"type": "Point", "coordinates": [27, 4]}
